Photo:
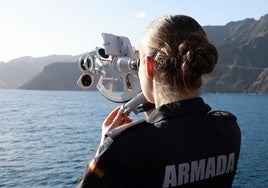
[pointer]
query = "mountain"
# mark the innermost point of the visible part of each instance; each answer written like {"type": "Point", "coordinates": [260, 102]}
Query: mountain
{"type": "Point", "coordinates": [2, 69]}
{"type": "Point", "coordinates": [18, 71]}
{"type": "Point", "coordinates": [60, 76]}
{"type": "Point", "coordinates": [242, 65]}
{"type": "Point", "coordinates": [55, 76]}
{"type": "Point", "coordinates": [243, 57]}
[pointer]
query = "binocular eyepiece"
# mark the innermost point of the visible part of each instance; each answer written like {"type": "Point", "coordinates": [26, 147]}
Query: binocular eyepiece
{"type": "Point", "coordinates": [85, 81]}
{"type": "Point", "coordinates": [86, 64]}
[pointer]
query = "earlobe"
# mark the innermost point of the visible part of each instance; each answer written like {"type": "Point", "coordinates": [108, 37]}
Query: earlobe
{"type": "Point", "coordinates": [149, 67]}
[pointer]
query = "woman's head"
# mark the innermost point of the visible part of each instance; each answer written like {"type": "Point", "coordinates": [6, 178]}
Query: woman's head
{"type": "Point", "coordinates": [181, 53]}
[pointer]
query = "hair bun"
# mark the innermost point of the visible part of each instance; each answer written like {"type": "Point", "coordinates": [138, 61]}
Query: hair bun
{"type": "Point", "coordinates": [198, 55]}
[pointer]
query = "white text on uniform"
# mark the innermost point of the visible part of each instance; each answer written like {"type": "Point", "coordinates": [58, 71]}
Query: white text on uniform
{"type": "Point", "coordinates": [184, 173]}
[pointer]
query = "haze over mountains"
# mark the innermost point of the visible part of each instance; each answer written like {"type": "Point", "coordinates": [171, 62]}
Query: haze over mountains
{"type": "Point", "coordinates": [17, 72]}
{"type": "Point", "coordinates": [242, 66]}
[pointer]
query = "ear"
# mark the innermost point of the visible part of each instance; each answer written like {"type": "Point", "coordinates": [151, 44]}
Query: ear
{"type": "Point", "coordinates": [149, 67]}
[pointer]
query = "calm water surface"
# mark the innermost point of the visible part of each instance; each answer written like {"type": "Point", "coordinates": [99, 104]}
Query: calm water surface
{"type": "Point", "coordinates": [46, 137]}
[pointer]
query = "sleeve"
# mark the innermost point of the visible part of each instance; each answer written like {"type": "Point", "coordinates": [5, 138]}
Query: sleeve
{"type": "Point", "coordinates": [95, 172]}
{"type": "Point", "coordinates": [106, 169]}
{"type": "Point", "coordinates": [93, 175]}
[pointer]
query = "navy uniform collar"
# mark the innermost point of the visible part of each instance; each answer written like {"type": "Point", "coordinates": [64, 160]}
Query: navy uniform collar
{"type": "Point", "coordinates": [179, 108]}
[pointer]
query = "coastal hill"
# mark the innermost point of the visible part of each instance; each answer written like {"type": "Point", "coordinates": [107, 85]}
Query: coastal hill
{"type": "Point", "coordinates": [55, 76]}
{"type": "Point", "coordinates": [18, 71]}
{"type": "Point", "coordinates": [243, 62]}
{"type": "Point", "coordinates": [242, 66]}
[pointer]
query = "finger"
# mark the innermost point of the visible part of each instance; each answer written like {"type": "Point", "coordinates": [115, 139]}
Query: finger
{"type": "Point", "coordinates": [118, 118]}
{"type": "Point", "coordinates": [125, 120]}
{"type": "Point", "coordinates": [115, 119]}
{"type": "Point", "coordinates": [110, 118]}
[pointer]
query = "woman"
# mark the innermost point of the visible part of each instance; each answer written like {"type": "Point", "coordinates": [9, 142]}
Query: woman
{"type": "Point", "coordinates": [183, 143]}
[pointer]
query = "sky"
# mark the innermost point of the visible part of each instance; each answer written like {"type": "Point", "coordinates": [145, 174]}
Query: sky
{"type": "Point", "coordinates": [40, 28]}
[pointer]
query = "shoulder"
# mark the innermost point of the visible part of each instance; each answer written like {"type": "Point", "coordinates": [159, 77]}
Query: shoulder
{"type": "Point", "coordinates": [116, 138]}
{"type": "Point", "coordinates": [117, 132]}
{"type": "Point", "coordinates": [223, 114]}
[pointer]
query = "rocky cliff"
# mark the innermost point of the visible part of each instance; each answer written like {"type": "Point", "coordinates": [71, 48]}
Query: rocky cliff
{"type": "Point", "coordinates": [243, 62]}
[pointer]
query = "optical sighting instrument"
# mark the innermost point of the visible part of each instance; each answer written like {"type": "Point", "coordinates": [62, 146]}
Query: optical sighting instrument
{"type": "Point", "coordinates": [115, 69]}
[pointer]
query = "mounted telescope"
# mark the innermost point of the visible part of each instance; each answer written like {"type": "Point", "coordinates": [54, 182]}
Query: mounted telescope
{"type": "Point", "coordinates": [116, 68]}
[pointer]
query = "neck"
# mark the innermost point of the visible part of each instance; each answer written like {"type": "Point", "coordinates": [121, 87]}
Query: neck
{"type": "Point", "coordinates": [161, 98]}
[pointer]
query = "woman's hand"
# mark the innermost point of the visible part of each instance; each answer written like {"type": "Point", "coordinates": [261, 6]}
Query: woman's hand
{"type": "Point", "coordinates": [115, 119]}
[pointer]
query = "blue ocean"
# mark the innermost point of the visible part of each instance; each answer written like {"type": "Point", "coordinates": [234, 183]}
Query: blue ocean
{"type": "Point", "coordinates": [47, 137]}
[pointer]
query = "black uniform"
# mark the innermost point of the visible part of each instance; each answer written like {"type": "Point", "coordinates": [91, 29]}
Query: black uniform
{"type": "Point", "coordinates": [182, 144]}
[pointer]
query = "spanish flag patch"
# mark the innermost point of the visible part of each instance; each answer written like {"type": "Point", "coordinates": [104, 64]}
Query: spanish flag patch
{"type": "Point", "coordinates": [94, 169]}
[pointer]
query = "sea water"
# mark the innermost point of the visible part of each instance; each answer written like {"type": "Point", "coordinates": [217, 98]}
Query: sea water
{"type": "Point", "coordinates": [47, 137]}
